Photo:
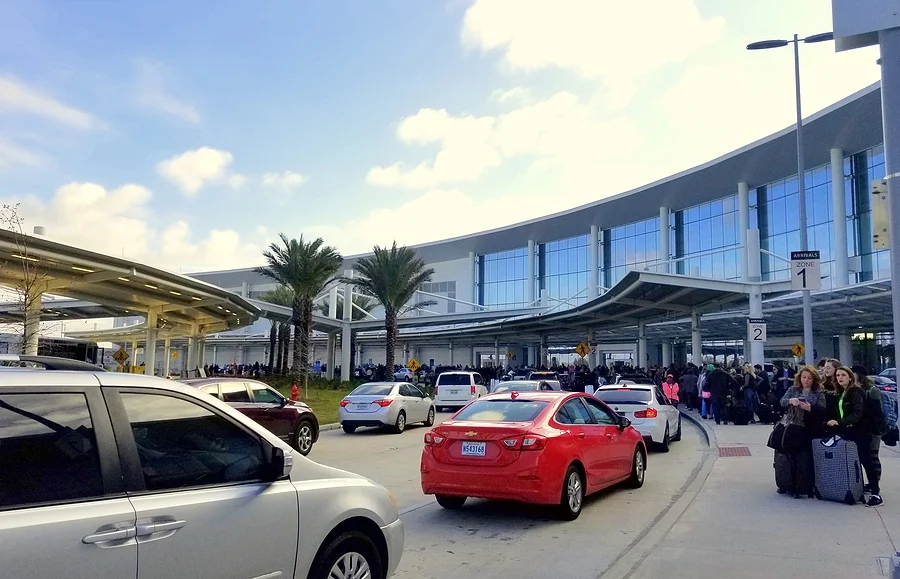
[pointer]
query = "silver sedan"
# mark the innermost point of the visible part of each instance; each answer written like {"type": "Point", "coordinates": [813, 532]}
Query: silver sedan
{"type": "Point", "coordinates": [392, 404]}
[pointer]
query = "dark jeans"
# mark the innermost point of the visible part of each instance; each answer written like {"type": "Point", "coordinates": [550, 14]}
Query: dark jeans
{"type": "Point", "coordinates": [718, 406]}
{"type": "Point", "coordinates": [752, 400]}
{"type": "Point", "coordinates": [871, 462]}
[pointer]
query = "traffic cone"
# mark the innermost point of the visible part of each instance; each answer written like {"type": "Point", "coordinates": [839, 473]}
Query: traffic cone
{"type": "Point", "coordinates": [295, 392]}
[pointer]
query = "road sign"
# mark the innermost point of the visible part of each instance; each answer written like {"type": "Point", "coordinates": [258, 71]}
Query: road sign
{"type": "Point", "coordinates": [806, 271]}
{"type": "Point", "coordinates": [582, 349]}
{"type": "Point", "coordinates": [413, 365]}
{"type": "Point", "coordinates": [798, 350]}
{"type": "Point", "coordinates": [175, 355]}
{"type": "Point", "coordinates": [509, 355]}
{"type": "Point", "coordinates": [757, 329]}
{"type": "Point", "coordinates": [120, 356]}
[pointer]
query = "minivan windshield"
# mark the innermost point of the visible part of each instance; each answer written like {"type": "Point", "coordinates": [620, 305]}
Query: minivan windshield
{"type": "Point", "coordinates": [454, 380]}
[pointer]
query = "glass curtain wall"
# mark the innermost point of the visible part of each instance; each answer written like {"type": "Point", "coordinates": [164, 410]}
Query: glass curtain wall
{"type": "Point", "coordinates": [563, 266]}
{"type": "Point", "coordinates": [861, 170]}
{"type": "Point", "coordinates": [502, 278]}
{"type": "Point", "coordinates": [627, 247]}
{"type": "Point", "coordinates": [703, 229]}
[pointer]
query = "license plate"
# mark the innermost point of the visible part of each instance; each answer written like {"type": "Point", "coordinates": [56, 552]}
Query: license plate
{"type": "Point", "coordinates": [473, 449]}
{"type": "Point", "coordinates": [454, 391]}
{"type": "Point", "coordinates": [362, 406]}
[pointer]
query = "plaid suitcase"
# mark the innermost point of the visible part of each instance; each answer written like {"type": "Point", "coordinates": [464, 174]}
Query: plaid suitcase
{"type": "Point", "coordinates": [839, 474]}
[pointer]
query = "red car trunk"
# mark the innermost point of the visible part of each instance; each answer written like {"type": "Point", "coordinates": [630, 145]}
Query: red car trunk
{"type": "Point", "coordinates": [481, 443]}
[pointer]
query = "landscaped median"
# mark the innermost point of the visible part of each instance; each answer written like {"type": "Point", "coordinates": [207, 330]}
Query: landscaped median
{"type": "Point", "coordinates": [324, 396]}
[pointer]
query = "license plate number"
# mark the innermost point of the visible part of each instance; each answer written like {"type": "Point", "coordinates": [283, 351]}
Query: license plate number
{"type": "Point", "coordinates": [473, 449]}
{"type": "Point", "coordinates": [454, 391]}
{"type": "Point", "coordinates": [362, 406]}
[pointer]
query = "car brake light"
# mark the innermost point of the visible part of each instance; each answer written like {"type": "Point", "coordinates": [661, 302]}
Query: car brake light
{"type": "Point", "coordinates": [432, 439]}
{"type": "Point", "coordinates": [384, 402]}
{"type": "Point", "coordinates": [649, 413]}
{"type": "Point", "coordinates": [533, 442]}
{"type": "Point", "coordinates": [435, 389]}
{"type": "Point", "coordinates": [344, 403]}
{"type": "Point", "coordinates": [472, 389]}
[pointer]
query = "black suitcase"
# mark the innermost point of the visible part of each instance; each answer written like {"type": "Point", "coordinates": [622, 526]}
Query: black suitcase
{"type": "Point", "coordinates": [794, 473]}
{"type": "Point", "coordinates": [765, 413]}
{"type": "Point", "coordinates": [740, 415]}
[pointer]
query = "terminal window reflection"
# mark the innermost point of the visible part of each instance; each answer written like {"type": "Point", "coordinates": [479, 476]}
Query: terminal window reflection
{"type": "Point", "coordinates": [630, 247]}
{"type": "Point", "coordinates": [502, 278]}
{"type": "Point", "coordinates": [704, 229]}
{"type": "Point", "coordinates": [564, 269]}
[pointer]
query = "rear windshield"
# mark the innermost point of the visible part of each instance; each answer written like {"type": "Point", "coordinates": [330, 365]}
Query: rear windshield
{"type": "Point", "coordinates": [630, 395]}
{"type": "Point", "coordinates": [454, 380]}
{"type": "Point", "coordinates": [373, 390]}
{"type": "Point", "coordinates": [502, 410]}
{"type": "Point", "coordinates": [517, 386]}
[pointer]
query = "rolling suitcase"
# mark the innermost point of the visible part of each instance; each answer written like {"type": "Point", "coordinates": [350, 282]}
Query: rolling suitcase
{"type": "Point", "coordinates": [766, 416]}
{"type": "Point", "coordinates": [839, 475]}
{"type": "Point", "coordinates": [793, 473]}
{"type": "Point", "coordinates": [740, 415]}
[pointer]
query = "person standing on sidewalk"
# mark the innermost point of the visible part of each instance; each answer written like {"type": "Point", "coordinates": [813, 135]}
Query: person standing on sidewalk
{"type": "Point", "coordinates": [705, 394]}
{"type": "Point", "coordinates": [875, 417]}
{"type": "Point", "coordinates": [689, 389]}
{"type": "Point", "coordinates": [719, 383]}
{"type": "Point", "coordinates": [671, 389]}
{"type": "Point", "coordinates": [751, 398]}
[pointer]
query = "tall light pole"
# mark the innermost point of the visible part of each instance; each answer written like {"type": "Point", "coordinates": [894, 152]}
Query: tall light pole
{"type": "Point", "coordinates": [808, 343]}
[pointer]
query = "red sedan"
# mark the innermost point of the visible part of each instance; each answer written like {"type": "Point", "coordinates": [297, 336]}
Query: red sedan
{"type": "Point", "coordinates": [551, 448]}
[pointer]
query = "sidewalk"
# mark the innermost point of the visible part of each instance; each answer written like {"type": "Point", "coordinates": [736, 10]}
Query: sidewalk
{"type": "Point", "coordinates": [735, 525]}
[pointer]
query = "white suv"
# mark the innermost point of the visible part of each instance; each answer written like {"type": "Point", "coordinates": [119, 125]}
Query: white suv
{"type": "Point", "coordinates": [456, 389]}
{"type": "Point", "coordinates": [122, 475]}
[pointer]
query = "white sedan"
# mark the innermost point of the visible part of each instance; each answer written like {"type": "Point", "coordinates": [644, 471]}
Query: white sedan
{"type": "Point", "coordinates": [385, 404]}
{"type": "Point", "coordinates": [647, 407]}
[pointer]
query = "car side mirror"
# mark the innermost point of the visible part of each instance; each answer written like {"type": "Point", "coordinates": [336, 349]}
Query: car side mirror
{"type": "Point", "coordinates": [284, 401]}
{"type": "Point", "coordinates": [279, 465]}
{"type": "Point", "coordinates": [624, 422]}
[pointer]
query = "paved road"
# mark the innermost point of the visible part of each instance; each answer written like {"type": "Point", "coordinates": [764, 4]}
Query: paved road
{"type": "Point", "coordinates": [488, 539]}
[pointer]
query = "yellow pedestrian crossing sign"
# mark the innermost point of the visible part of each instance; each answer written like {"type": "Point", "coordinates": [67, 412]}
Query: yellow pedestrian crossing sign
{"type": "Point", "coordinates": [120, 356]}
{"type": "Point", "coordinates": [798, 350]}
{"type": "Point", "coordinates": [583, 349]}
{"type": "Point", "coordinates": [413, 365]}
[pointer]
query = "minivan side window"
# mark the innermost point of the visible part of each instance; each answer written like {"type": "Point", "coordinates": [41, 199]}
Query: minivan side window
{"type": "Point", "coordinates": [48, 453]}
{"type": "Point", "coordinates": [182, 444]}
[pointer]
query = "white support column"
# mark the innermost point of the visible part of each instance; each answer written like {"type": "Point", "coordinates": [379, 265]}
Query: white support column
{"type": "Point", "coordinates": [593, 262]}
{"type": "Point", "coordinates": [346, 336]}
{"type": "Point", "coordinates": [329, 355]}
{"type": "Point", "coordinates": [450, 353]}
{"type": "Point", "coordinates": [642, 344]}
{"type": "Point", "coordinates": [743, 225]}
{"type": "Point", "coordinates": [664, 253]}
{"type": "Point", "coordinates": [497, 353]}
{"type": "Point", "coordinates": [696, 340]}
{"type": "Point", "coordinates": [191, 360]}
{"type": "Point", "coordinates": [757, 349]}
{"type": "Point", "coordinates": [529, 273]}
{"type": "Point", "coordinates": [666, 353]}
{"type": "Point", "coordinates": [31, 332]}
{"type": "Point", "coordinates": [358, 352]}
{"type": "Point", "coordinates": [150, 347]}
{"type": "Point", "coordinates": [840, 275]}
{"type": "Point", "coordinates": [333, 302]}
{"type": "Point", "coordinates": [543, 350]}
{"type": "Point", "coordinates": [245, 289]}
{"type": "Point", "coordinates": [201, 351]}
{"type": "Point", "coordinates": [845, 349]}
{"type": "Point", "coordinates": [472, 355]}
{"type": "Point", "coordinates": [592, 357]}
{"type": "Point", "coordinates": [167, 353]}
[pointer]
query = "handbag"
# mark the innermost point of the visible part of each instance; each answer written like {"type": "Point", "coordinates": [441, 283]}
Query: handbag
{"type": "Point", "coordinates": [706, 394]}
{"type": "Point", "coordinates": [789, 436]}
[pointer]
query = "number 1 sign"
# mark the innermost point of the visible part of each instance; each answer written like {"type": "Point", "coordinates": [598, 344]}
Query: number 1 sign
{"type": "Point", "coordinates": [806, 271]}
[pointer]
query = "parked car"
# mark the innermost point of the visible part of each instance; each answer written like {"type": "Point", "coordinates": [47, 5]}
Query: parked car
{"type": "Point", "coordinates": [403, 375]}
{"type": "Point", "coordinates": [456, 389]}
{"type": "Point", "coordinates": [550, 448]}
{"type": "Point", "coordinates": [122, 475]}
{"type": "Point", "coordinates": [647, 407]}
{"type": "Point", "coordinates": [890, 373]}
{"type": "Point", "coordinates": [524, 386]}
{"type": "Point", "coordinates": [552, 378]}
{"type": "Point", "coordinates": [385, 404]}
{"type": "Point", "coordinates": [292, 421]}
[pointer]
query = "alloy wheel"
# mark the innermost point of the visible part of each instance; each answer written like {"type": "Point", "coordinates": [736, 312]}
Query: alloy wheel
{"type": "Point", "coordinates": [350, 566]}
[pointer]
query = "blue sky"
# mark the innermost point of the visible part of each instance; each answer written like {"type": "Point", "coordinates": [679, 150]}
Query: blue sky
{"type": "Point", "coordinates": [188, 137]}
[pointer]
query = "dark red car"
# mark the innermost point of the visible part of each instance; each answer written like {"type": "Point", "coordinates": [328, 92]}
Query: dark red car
{"type": "Point", "coordinates": [293, 422]}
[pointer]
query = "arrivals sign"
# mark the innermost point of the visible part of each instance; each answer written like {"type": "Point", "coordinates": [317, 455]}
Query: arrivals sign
{"type": "Point", "coordinates": [756, 329]}
{"type": "Point", "coordinates": [806, 270]}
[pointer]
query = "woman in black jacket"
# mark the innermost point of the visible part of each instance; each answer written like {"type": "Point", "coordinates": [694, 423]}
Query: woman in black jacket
{"type": "Point", "coordinates": [855, 425]}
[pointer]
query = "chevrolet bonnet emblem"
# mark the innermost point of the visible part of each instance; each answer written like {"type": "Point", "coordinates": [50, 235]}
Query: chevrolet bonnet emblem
{"type": "Point", "coordinates": [471, 433]}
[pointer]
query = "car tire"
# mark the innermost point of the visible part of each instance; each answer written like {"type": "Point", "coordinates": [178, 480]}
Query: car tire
{"type": "Point", "coordinates": [430, 420]}
{"type": "Point", "coordinates": [664, 445]}
{"type": "Point", "coordinates": [303, 437]}
{"type": "Point", "coordinates": [677, 436]}
{"type": "Point", "coordinates": [400, 425]}
{"type": "Point", "coordinates": [572, 499]}
{"type": "Point", "coordinates": [638, 469]}
{"type": "Point", "coordinates": [348, 554]}
{"type": "Point", "coordinates": [450, 503]}
{"type": "Point", "coordinates": [349, 429]}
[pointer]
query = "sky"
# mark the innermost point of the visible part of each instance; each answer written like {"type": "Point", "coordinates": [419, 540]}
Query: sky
{"type": "Point", "coordinates": [189, 138]}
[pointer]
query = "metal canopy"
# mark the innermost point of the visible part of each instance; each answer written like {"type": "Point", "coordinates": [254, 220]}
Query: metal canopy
{"type": "Point", "coordinates": [120, 286]}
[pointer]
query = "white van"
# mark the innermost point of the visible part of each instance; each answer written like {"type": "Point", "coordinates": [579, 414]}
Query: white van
{"type": "Point", "coordinates": [456, 389]}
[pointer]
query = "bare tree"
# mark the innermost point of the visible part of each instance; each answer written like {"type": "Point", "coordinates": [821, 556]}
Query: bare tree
{"type": "Point", "coordinates": [27, 280]}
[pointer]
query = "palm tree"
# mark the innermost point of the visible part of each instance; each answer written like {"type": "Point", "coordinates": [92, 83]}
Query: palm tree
{"type": "Point", "coordinates": [392, 277]}
{"type": "Point", "coordinates": [305, 268]}
{"type": "Point", "coordinates": [281, 331]}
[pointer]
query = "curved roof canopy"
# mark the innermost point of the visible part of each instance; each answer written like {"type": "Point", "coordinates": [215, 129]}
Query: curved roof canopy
{"type": "Point", "coordinates": [117, 287]}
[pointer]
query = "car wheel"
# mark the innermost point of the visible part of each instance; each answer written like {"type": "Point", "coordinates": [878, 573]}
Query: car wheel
{"type": "Point", "coordinates": [400, 425]}
{"type": "Point", "coordinates": [349, 429]}
{"type": "Point", "coordinates": [664, 445]}
{"type": "Point", "coordinates": [350, 555]}
{"type": "Point", "coordinates": [430, 420]}
{"type": "Point", "coordinates": [677, 436]}
{"type": "Point", "coordinates": [303, 437]}
{"type": "Point", "coordinates": [451, 503]}
{"type": "Point", "coordinates": [572, 494]}
{"type": "Point", "coordinates": [638, 469]}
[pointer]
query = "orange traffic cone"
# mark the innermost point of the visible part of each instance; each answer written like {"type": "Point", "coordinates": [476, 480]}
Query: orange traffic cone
{"type": "Point", "coordinates": [295, 392]}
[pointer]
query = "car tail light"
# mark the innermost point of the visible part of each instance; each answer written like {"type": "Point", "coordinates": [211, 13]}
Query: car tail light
{"type": "Point", "coordinates": [526, 442]}
{"type": "Point", "coordinates": [472, 389]}
{"type": "Point", "coordinates": [435, 389]}
{"type": "Point", "coordinates": [432, 439]}
{"type": "Point", "coordinates": [384, 402]}
{"type": "Point", "coordinates": [649, 413]}
{"type": "Point", "coordinates": [344, 403]}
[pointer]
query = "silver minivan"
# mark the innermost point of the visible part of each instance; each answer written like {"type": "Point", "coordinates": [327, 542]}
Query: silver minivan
{"type": "Point", "coordinates": [122, 475]}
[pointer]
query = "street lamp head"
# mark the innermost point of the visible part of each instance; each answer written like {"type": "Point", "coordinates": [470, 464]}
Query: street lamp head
{"type": "Point", "coordinates": [823, 37]}
{"type": "Point", "coordinates": [764, 44]}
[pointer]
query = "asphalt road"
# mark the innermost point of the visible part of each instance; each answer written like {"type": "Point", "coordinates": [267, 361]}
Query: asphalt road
{"type": "Point", "coordinates": [489, 539]}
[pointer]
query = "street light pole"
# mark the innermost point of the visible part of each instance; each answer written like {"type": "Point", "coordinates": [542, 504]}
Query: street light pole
{"type": "Point", "coordinates": [808, 344]}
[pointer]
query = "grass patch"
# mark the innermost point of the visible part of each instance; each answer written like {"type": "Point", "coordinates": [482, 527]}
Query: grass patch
{"type": "Point", "coordinates": [324, 395]}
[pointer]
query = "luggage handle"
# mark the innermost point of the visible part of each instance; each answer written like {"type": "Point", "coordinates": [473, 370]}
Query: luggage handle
{"type": "Point", "coordinates": [831, 441]}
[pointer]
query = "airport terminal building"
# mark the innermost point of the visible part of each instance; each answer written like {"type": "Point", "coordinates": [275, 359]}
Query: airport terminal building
{"type": "Point", "coordinates": [545, 275]}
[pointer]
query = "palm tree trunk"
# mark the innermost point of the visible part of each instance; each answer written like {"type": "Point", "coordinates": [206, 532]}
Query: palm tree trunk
{"type": "Point", "coordinates": [273, 337]}
{"type": "Point", "coordinates": [285, 346]}
{"type": "Point", "coordinates": [280, 354]}
{"type": "Point", "coordinates": [298, 361]}
{"type": "Point", "coordinates": [390, 326]}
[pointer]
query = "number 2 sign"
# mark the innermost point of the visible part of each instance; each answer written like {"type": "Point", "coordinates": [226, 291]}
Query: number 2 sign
{"type": "Point", "coordinates": [756, 329]}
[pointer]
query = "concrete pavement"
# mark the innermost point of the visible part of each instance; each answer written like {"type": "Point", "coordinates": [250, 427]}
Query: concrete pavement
{"type": "Point", "coordinates": [731, 522]}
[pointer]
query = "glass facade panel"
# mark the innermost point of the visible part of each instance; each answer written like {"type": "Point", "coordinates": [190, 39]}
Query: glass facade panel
{"type": "Point", "coordinates": [708, 228]}
{"type": "Point", "coordinates": [564, 270]}
{"type": "Point", "coordinates": [502, 278]}
{"type": "Point", "coordinates": [627, 247]}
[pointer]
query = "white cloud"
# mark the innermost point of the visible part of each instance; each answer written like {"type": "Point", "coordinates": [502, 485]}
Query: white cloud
{"type": "Point", "coordinates": [559, 132]}
{"type": "Point", "coordinates": [237, 181]}
{"type": "Point", "coordinates": [151, 93]}
{"type": "Point", "coordinates": [17, 97]}
{"type": "Point", "coordinates": [192, 170]}
{"type": "Point", "coordinates": [517, 94]}
{"type": "Point", "coordinates": [287, 181]}
{"type": "Point", "coordinates": [610, 40]}
{"type": "Point", "coordinates": [121, 222]}
{"type": "Point", "coordinates": [12, 154]}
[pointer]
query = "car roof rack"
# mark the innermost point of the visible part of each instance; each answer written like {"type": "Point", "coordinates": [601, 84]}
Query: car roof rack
{"type": "Point", "coordinates": [47, 363]}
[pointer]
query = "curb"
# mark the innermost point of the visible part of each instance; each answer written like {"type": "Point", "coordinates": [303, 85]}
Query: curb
{"type": "Point", "coordinates": [707, 431]}
{"type": "Point", "coordinates": [327, 427]}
